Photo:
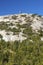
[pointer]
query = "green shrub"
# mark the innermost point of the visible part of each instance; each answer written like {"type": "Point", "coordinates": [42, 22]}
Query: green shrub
{"type": "Point", "coordinates": [23, 15]}
{"type": "Point", "coordinates": [14, 17]}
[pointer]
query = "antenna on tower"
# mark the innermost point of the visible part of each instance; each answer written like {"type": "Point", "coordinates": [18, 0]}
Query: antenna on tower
{"type": "Point", "coordinates": [20, 12]}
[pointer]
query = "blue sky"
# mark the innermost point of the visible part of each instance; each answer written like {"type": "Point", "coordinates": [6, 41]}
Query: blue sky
{"type": "Point", "coordinates": [26, 6]}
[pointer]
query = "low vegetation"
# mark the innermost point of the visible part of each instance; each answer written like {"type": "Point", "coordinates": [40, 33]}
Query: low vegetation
{"type": "Point", "coordinates": [24, 53]}
{"type": "Point", "coordinates": [27, 52]}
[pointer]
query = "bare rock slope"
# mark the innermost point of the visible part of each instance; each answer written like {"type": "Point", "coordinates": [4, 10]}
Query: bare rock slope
{"type": "Point", "coordinates": [21, 27]}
